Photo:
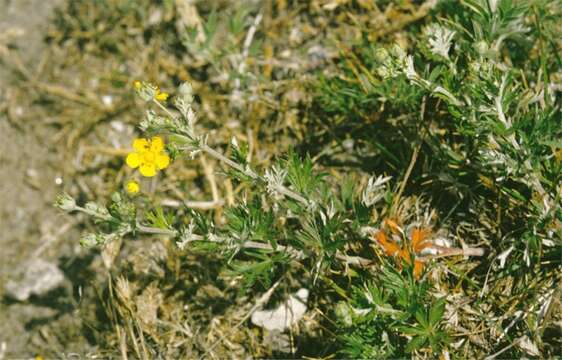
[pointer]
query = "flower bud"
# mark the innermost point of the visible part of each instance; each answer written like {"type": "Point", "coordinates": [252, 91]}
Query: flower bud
{"type": "Point", "coordinates": [89, 240]}
{"type": "Point", "coordinates": [482, 47]}
{"type": "Point", "coordinates": [186, 92]}
{"type": "Point", "coordinates": [96, 209]}
{"type": "Point", "coordinates": [65, 202]}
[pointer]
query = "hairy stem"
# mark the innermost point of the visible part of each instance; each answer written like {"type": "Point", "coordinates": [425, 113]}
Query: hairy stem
{"type": "Point", "coordinates": [246, 171]}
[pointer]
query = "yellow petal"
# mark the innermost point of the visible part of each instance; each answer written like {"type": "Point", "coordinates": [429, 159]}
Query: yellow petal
{"type": "Point", "coordinates": [156, 144]}
{"type": "Point", "coordinates": [133, 187]}
{"type": "Point", "coordinates": [133, 160]}
{"type": "Point", "coordinates": [161, 96]}
{"type": "Point", "coordinates": [162, 161]}
{"type": "Point", "coordinates": [140, 145]}
{"type": "Point", "coordinates": [148, 169]}
{"type": "Point", "coordinates": [137, 84]}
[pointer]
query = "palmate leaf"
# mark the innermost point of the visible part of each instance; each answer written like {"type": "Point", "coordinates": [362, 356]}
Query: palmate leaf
{"type": "Point", "coordinates": [262, 269]}
{"type": "Point", "coordinates": [301, 175]}
{"type": "Point", "coordinates": [416, 343]}
{"type": "Point", "coordinates": [421, 319]}
{"type": "Point", "coordinates": [436, 312]}
{"type": "Point", "coordinates": [159, 219]}
{"type": "Point", "coordinates": [251, 222]}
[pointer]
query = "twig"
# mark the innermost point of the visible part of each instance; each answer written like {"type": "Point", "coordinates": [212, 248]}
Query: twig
{"type": "Point", "coordinates": [405, 20]}
{"type": "Point", "coordinates": [445, 251]}
{"type": "Point", "coordinates": [229, 192]}
{"type": "Point", "coordinates": [71, 95]}
{"type": "Point", "coordinates": [201, 205]}
{"type": "Point", "coordinates": [93, 213]}
{"type": "Point", "coordinates": [247, 43]}
{"type": "Point", "coordinates": [210, 174]}
{"type": "Point", "coordinates": [411, 165]}
{"type": "Point", "coordinates": [217, 155]}
{"type": "Point", "coordinates": [106, 150]}
{"type": "Point", "coordinates": [491, 357]}
{"type": "Point", "coordinates": [51, 239]}
{"type": "Point", "coordinates": [156, 231]}
{"type": "Point", "coordinates": [261, 301]}
{"type": "Point", "coordinates": [354, 260]}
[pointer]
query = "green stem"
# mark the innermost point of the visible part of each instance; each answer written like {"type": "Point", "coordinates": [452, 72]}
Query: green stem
{"type": "Point", "coordinates": [247, 171]}
{"type": "Point", "coordinates": [153, 230]}
{"type": "Point", "coordinates": [93, 213]}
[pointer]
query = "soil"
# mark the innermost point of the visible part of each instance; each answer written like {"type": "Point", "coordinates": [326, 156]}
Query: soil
{"type": "Point", "coordinates": [30, 226]}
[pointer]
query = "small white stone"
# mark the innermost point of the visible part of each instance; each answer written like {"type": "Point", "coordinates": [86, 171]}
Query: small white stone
{"type": "Point", "coordinates": [287, 314]}
{"type": "Point", "coordinates": [285, 54]}
{"type": "Point", "coordinates": [36, 277]}
{"type": "Point", "coordinates": [118, 125]}
{"type": "Point", "coordinates": [107, 100]}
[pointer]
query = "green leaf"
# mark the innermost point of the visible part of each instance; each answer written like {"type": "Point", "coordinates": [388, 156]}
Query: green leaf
{"type": "Point", "coordinates": [416, 343]}
{"type": "Point", "coordinates": [420, 317]}
{"type": "Point", "coordinates": [436, 311]}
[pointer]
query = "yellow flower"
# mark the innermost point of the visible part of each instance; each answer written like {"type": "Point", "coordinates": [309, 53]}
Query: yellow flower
{"type": "Point", "coordinates": [149, 156]}
{"type": "Point", "coordinates": [161, 96]}
{"type": "Point", "coordinates": [133, 187]}
{"type": "Point", "coordinates": [137, 84]}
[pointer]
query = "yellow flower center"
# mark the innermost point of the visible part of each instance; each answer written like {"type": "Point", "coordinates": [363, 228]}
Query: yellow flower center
{"type": "Point", "coordinates": [149, 157]}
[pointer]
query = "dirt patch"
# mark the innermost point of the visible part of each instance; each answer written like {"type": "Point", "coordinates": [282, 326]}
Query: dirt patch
{"type": "Point", "coordinates": [29, 169]}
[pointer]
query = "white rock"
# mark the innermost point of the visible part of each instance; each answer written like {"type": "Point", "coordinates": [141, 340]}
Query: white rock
{"type": "Point", "coordinates": [36, 277]}
{"type": "Point", "coordinates": [107, 100]}
{"type": "Point", "coordinates": [288, 313]}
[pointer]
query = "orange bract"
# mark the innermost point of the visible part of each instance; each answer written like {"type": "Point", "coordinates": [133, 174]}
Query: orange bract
{"type": "Point", "coordinates": [418, 239]}
{"type": "Point", "coordinates": [418, 243]}
{"type": "Point", "coordinates": [390, 247]}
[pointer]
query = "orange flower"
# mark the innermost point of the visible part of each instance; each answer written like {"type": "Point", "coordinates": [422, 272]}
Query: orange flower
{"type": "Point", "coordinates": [418, 243]}
{"type": "Point", "coordinates": [418, 239]}
{"type": "Point", "coordinates": [390, 247]}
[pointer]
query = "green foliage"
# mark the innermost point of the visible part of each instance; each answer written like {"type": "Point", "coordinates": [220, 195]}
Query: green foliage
{"type": "Point", "coordinates": [495, 131]}
{"type": "Point", "coordinates": [300, 174]}
{"type": "Point", "coordinates": [158, 219]}
{"type": "Point", "coordinates": [466, 123]}
{"type": "Point", "coordinates": [391, 315]}
{"type": "Point", "coordinates": [252, 222]}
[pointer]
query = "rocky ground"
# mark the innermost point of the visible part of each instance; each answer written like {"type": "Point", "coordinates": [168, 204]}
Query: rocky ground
{"type": "Point", "coordinates": [36, 294]}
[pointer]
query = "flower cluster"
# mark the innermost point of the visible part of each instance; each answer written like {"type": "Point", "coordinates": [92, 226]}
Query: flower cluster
{"type": "Point", "coordinates": [149, 91]}
{"type": "Point", "coordinates": [149, 156]}
{"type": "Point", "coordinates": [405, 253]}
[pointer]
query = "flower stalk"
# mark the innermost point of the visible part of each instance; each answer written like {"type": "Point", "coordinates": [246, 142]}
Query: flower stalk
{"type": "Point", "coordinates": [202, 146]}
